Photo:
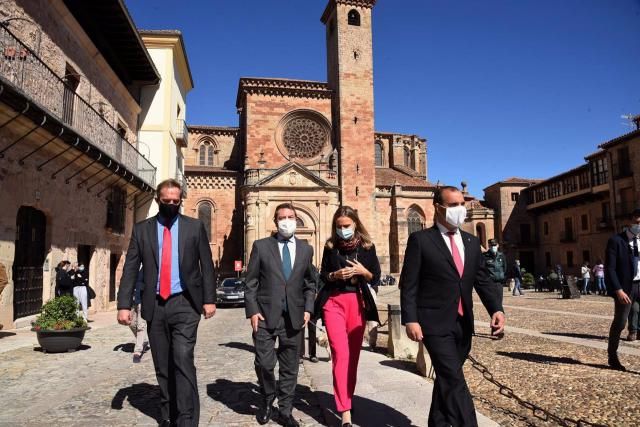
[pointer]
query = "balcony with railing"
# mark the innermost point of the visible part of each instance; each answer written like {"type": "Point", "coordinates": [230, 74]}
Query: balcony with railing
{"type": "Point", "coordinates": [32, 79]}
{"type": "Point", "coordinates": [253, 176]}
{"type": "Point", "coordinates": [567, 236]}
{"type": "Point", "coordinates": [183, 182]}
{"type": "Point", "coordinates": [182, 133]}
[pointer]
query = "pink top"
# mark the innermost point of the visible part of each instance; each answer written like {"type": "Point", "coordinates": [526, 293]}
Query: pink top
{"type": "Point", "coordinates": [599, 270]}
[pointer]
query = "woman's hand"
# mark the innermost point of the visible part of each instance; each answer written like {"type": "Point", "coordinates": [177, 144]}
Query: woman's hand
{"type": "Point", "coordinates": [342, 274]}
{"type": "Point", "coordinates": [360, 270]}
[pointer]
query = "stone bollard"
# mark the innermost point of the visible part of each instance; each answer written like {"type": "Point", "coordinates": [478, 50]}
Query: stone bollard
{"type": "Point", "coordinates": [423, 363]}
{"type": "Point", "coordinates": [399, 346]}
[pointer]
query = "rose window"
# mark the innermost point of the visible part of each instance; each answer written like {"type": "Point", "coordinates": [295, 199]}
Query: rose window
{"type": "Point", "coordinates": [304, 138]}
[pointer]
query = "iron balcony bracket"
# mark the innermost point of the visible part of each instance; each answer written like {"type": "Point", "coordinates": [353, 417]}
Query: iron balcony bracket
{"type": "Point", "coordinates": [144, 201]}
{"type": "Point", "coordinates": [44, 120]}
{"type": "Point", "coordinates": [26, 108]}
{"type": "Point", "coordinates": [103, 179]}
{"type": "Point", "coordinates": [133, 196]}
{"type": "Point", "coordinates": [82, 153]}
{"type": "Point", "coordinates": [95, 174]}
{"type": "Point", "coordinates": [118, 178]}
{"type": "Point", "coordinates": [75, 144]}
{"type": "Point", "coordinates": [68, 179]}
{"type": "Point", "coordinates": [21, 161]}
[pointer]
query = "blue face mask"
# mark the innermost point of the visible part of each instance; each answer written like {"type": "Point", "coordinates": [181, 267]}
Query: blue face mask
{"type": "Point", "coordinates": [345, 233]}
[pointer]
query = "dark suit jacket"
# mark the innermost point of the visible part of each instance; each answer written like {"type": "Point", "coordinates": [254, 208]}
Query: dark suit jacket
{"type": "Point", "coordinates": [619, 270]}
{"type": "Point", "coordinates": [266, 286]}
{"type": "Point", "coordinates": [430, 285]}
{"type": "Point", "coordinates": [196, 267]}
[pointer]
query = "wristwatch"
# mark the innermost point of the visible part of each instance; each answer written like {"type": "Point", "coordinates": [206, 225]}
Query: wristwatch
{"type": "Point", "coordinates": [331, 275]}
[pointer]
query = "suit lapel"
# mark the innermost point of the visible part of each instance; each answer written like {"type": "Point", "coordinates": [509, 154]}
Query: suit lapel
{"type": "Point", "coordinates": [275, 251]}
{"type": "Point", "coordinates": [436, 237]}
{"type": "Point", "coordinates": [298, 261]}
{"type": "Point", "coordinates": [152, 229]}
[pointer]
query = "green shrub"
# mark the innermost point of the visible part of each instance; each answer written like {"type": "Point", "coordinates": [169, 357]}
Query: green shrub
{"type": "Point", "coordinates": [527, 280]}
{"type": "Point", "coordinates": [59, 314]}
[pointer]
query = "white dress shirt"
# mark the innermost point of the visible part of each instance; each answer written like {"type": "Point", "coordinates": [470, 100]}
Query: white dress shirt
{"type": "Point", "coordinates": [631, 238]}
{"type": "Point", "coordinates": [291, 245]}
{"type": "Point", "coordinates": [457, 238]}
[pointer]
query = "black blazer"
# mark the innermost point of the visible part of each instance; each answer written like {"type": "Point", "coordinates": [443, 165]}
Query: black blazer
{"type": "Point", "coordinates": [333, 260]}
{"type": "Point", "coordinates": [196, 267]}
{"type": "Point", "coordinates": [430, 285]}
{"type": "Point", "coordinates": [619, 270]}
{"type": "Point", "coordinates": [266, 287]}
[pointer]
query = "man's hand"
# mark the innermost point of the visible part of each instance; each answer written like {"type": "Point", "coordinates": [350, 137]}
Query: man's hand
{"type": "Point", "coordinates": [497, 323]}
{"type": "Point", "coordinates": [307, 317]}
{"type": "Point", "coordinates": [124, 317]}
{"type": "Point", "coordinates": [622, 297]}
{"type": "Point", "coordinates": [254, 321]}
{"type": "Point", "coordinates": [414, 331]}
{"type": "Point", "coordinates": [209, 310]}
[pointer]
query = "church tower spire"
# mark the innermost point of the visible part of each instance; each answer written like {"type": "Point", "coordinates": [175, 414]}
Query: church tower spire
{"type": "Point", "coordinates": [350, 76]}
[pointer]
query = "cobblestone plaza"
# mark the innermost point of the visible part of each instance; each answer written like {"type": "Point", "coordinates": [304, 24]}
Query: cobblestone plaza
{"type": "Point", "coordinates": [553, 356]}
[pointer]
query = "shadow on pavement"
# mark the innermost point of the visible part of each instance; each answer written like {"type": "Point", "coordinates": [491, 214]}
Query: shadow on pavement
{"type": "Point", "coordinates": [127, 348]}
{"type": "Point", "coordinates": [83, 347]}
{"type": "Point", "coordinates": [142, 396]}
{"type": "Point", "coordinates": [244, 398]}
{"type": "Point", "coordinates": [577, 335]}
{"type": "Point", "coordinates": [403, 365]}
{"type": "Point", "coordinates": [238, 345]}
{"type": "Point", "coordinates": [551, 360]}
{"type": "Point", "coordinates": [6, 334]}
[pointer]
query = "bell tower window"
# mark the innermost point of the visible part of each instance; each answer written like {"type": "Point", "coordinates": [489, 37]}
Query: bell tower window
{"type": "Point", "coordinates": [353, 18]}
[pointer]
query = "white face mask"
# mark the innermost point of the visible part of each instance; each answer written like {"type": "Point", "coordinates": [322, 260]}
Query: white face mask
{"type": "Point", "coordinates": [456, 215]}
{"type": "Point", "coordinates": [635, 229]}
{"type": "Point", "coordinates": [81, 268]}
{"type": "Point", "coordinates": [494, 249]}
{"type": "Point", "coordinates": [287, 227]}
{"type": "Point", "coordinates": [345, 233]}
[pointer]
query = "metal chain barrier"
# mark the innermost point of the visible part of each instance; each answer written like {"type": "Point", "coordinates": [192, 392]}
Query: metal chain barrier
{"type": "Point", "coordinates": [537, 411]}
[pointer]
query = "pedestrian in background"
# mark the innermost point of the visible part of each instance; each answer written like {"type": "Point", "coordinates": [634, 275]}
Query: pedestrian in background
{"type": "Point", "coordinates": [517, 278]}
{"type": "Point", "coordinates": [598, 273]}
{"type": "Point", "coordinates": [64, 283]}
{"type": "Point", "coordinates": [497, 266]}
{"type": "Point", "coordinates": [585, 273]}
{"type": "Point", "coordinates": [349, 265]}
{"type": "Point", "coordinates": [622, 275]}
{"type": "Point", "coordinates": [80, 284]}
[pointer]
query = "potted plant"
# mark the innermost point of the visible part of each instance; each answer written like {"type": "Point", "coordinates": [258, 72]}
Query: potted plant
{"type": "Point", "coordinates": [59, 327]}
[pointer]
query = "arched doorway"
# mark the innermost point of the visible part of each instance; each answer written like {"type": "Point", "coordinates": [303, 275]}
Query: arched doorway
{"type": "Point", "coordinates": [31, 225]}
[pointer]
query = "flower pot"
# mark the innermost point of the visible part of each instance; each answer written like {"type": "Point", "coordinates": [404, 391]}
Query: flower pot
{"type": "Point", "coordinates": [53, 341]}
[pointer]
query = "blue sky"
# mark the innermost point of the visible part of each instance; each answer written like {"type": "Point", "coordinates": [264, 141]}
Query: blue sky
{"type": "Point", "coordinates": [499, 88]}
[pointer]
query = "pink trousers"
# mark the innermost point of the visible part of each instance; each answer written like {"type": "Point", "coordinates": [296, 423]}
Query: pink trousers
{"type": "Point", "coordinates": [345, 323]}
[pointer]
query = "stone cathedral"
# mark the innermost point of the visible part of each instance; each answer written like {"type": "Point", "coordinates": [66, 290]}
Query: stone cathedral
{"type": "Point", "coordinates": [314, 144]}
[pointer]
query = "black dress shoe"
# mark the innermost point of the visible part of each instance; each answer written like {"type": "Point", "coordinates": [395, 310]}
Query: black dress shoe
{"type": "Point", "coordinates": [265, 413]}
{"type": "Point", "coordinates": [289, 421]}
{"type": "Point", "coordinates": [165, 423]}
{"type": "Point", "coordinates": [614, 363]}
{"type": "Point", "coordinates": [313, 359]}
{"type": "Point", "coordinates": [347, 425]}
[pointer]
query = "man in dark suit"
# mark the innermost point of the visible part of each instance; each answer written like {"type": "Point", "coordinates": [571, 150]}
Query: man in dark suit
{"type": "Point", "coordinates": [177, 287]}
{"type": "Point", "coordinates": [442, 265]}
{"type": "Point", "coordinates": [279, 298]}
{"type": "Point", "coordinates": [622, 278]}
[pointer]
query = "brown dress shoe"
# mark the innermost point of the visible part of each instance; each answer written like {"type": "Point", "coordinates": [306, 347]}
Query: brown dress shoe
{"type": "Point", "coordinates": [632, 336]}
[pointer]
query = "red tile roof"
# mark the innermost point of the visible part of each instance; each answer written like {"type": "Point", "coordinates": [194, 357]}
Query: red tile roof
{"type": "Point", "coordinates": [386, 177]}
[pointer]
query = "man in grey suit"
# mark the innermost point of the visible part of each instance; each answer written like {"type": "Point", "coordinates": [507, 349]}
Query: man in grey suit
{"type": "Point", "coordinates": [279, 297]}
{"type": "Point", "coordinates": [178, 285]}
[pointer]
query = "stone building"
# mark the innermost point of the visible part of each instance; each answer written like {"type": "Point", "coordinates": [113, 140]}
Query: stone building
{"type": "Point", "coordinates": [314, 144]}
{"type": "Point", "coordinates": [71, 74]}
{"type": "Point", "coordinates": [567, 219]}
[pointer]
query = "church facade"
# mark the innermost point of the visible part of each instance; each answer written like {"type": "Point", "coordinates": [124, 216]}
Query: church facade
{"type": "Point", "coordinates": [314, 144]}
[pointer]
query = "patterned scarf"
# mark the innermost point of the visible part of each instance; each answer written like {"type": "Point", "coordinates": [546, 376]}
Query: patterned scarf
{"type": "Point", "coordinates": [349, 245]}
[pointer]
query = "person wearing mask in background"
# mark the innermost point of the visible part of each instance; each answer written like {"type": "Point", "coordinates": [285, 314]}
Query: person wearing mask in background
{"type": "Point", "coordinates": [442, 266]}
{"type": "Point", "coordinates": [279, 294]}
{"type": "Point", "coordinates": [80, 283]}
{"type": "Point", "coordinates": [64, 283]}
{"type": "Point", "coordinates": [623, 282]}
{"type": "Point", "coordinates": [598, 273]}
{"type": "Point", "coordinates": [138, 325]}
{"type": "Point", "coordinates": [497, 265]}
{"type": "Point", "coordinates": [349, 266]}
{"type": "Point", "coordinates": [517, 279]}
{"type": "Point", "coordinates": [585, 273]}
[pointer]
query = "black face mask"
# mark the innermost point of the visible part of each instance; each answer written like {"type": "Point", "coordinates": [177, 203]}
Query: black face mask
{"type": "Point", "coordinates": [169, 211]}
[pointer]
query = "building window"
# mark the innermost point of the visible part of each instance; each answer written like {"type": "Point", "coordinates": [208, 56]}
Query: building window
{"type": "Point", "coordinates": [414, 221]}
{"type": "Point", "coordinates": [204, 214]}
{"type": "Point", "coordinates": [586, 256]}
{"type": "Point", "coordinates": [547, 259]}
{"type": "Point", "coordinates": [353, 18]}
{"type": "Point", "coordinates": [545, 227]}
{"type": "Point", "coordinates": [599, 172]}
{"type": "Point", "coordinates": [624, 163]}
{"type": "Point", "coordinates": [584, 180]}
{"type": "Point", "coordinates": [206, 151]}
{"type": "Point", "coordinates": [606, 212]}
{"type": "Point", "coordinates": [116, 210]}
{"type": "Point", "coordinates": [299, 222]}
{"type": "Point", "coordinates": [71, 82]}
{"type": "Point", "coordinates": [514, 197]}
{"type": "Point", "coordinates": [554, 190]}
{"type": "Point", "coordinates": [379, 156]}
{"type": "Point", "coordinates": [541, 194]}
{"type": "Point", "coordinates": [569, 259]}
{"type": "Point", "coordinates": [569, 185]}
{"type": "Point", "coordinates": [584, 220]}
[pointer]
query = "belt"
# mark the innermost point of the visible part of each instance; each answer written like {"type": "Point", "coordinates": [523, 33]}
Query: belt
{"type": "Point", "coordinates": [170, 297]}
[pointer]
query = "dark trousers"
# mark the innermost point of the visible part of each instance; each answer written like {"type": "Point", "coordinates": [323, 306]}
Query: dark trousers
{"type": "Point", "coordinates": [311, 327]}
{"type": "Point", "coordinates": [451, 404]}
{"type": "Point", "coordinates": [287, 356]}
{"type": "Point", "coordinates": [172, 334]}
{"type": "Point", "coordinates": [620, 317]}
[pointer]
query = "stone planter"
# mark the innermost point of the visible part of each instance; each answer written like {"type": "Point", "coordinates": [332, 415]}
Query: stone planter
{"type": "Point", "coordinates": [53, 341]}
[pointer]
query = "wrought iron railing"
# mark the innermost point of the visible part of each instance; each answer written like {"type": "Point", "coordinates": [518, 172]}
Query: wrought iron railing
{"type": "Point", "coordinates": [22, 68]}
{"type": "Point", "coordinates": [252, 176]}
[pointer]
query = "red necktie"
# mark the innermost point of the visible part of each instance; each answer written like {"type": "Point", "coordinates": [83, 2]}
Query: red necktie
{"type": "Point", "coordinates": [457, 259]}
{"type": "Point", "coordinates": [165, 265]}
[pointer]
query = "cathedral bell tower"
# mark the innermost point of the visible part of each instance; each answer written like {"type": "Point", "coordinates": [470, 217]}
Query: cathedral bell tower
{"type": "Point", "coordinates": [350, 76]}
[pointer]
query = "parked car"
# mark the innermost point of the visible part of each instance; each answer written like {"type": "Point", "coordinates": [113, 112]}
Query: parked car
{"type": "Point", "coordinates": [231, 291]}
